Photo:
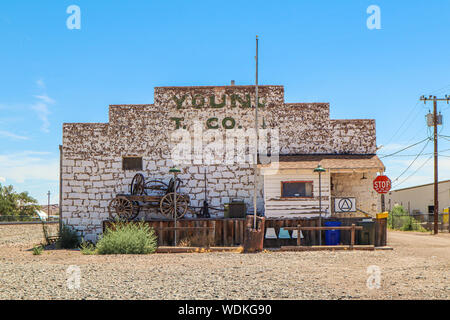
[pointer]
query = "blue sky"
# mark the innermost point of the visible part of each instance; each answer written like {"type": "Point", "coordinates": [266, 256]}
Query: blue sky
{"type": "Point", "coordinates": [321, 51]}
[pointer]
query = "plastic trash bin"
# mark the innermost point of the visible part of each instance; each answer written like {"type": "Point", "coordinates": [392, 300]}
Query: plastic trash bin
{"type": "Point", "coordinates": [332, 237]}
{"type": "Point", "coordinates": [367, 234]}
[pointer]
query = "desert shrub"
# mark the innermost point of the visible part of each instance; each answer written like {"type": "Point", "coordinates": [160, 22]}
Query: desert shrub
{"type": "Point", "coordinates": [411, 224]}
{"type": "Point", "coordinates": [185, 242]}
{"type": "Point", "coordinates": [196, 240]}
{"type": "Point", "coordinates": [37, 250]}
{"type": "Point", "coordinates": [127, 238]}
{"type": "Point", "coordinates": [68, 238]}
{"type": "Point", "coordinates": [399, 219]}
{"type": "Point", "coordinates": [87, 248]}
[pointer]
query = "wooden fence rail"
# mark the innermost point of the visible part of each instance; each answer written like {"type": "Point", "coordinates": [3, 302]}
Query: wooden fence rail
{"type": "Point", "coordinates": [230, 232]}
{"type": "Point", "coordinates": [352, 230]}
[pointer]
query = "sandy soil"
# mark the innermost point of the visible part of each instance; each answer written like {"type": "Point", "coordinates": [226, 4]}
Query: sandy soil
{"type": "Point", "coordinates": [417, 268]}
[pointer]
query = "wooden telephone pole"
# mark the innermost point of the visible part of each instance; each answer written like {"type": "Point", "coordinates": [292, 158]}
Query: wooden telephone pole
{"type": "Point", "coordinates": [435, 139]}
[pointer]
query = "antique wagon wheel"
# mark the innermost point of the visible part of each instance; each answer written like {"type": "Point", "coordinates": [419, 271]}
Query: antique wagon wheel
{"type": "Point", "coordinates": [167, 205]}
{"type": "Point", "coordinates": [123, 209]}
{"type": "Point", "coordinates": [138, 184]}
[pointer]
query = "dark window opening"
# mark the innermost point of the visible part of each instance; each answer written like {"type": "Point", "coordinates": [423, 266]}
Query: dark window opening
{"type": "Point", "coordinates": [132, 163]}
{"type": "Point", "coordinates": [430, 209]}
{"type": "Point", "coordinates": [296, 189]}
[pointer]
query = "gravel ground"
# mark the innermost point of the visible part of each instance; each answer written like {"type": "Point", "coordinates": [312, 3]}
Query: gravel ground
{"type": "Point", "coordinates": [417, 268]}
{"type": "Point", "coordinates": [23, 235]}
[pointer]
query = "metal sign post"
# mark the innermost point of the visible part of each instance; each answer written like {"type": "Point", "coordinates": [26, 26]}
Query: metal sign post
{"type": "Point", "coordinates": [48, 205]}
{"type": "Point", "coordinates": [320, 170]}
{"type": "Point", "coordinates": [255, 158]}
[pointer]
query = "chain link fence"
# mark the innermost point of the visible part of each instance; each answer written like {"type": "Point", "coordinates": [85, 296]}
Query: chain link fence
{"type": "Point", "coordinates": [416, 222]}
{"type": "Point", "coordinates": [24, 218]}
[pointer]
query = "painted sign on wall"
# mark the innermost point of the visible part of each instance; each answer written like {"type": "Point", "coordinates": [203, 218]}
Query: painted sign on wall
{"type": "Point", "coordinates": [347, 204]}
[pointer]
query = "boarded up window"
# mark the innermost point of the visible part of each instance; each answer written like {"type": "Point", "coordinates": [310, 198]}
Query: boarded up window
{"type": "Point", "coordinates": [296, 189]}
{"type": "Point", "coordinates": [132, 163]}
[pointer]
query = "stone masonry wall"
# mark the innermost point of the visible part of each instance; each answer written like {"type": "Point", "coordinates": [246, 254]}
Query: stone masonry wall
{"type": "Point", "coordinates": [352, 185]}
{"type": "Point", "coordinates": [92, 152]}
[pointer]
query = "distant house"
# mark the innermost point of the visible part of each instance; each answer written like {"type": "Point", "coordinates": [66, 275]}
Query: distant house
{"type": "Point", "coordinates": [420, 199]}
{"type": "Point", "coordinates": [42, 215]}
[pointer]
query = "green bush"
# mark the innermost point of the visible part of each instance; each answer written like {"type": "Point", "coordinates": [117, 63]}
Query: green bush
{"type": "Point", "coordinates": [68, 238]}
{"type": "Point", "coordinates": [87, 248]}
{"type": "Point", "coordinates": [399, 219]}
{"type": "Point", "coordinates": [37, 250]}
{"type": "Point", "coordinates": [127, 238]}
{"type": "Point", "coordinates": [411, 224]}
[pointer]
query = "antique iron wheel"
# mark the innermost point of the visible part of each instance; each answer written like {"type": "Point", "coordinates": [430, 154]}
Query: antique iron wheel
{"type": "Point", "coordinates": [167, 205]}
{"type": "Point", "coordinates": [138, 185]}
{"type": "Point", "coordinates": [123, 209]}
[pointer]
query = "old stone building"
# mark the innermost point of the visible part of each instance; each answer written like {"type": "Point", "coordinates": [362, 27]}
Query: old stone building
{"type": "Point", "coordinates": [94, 154]}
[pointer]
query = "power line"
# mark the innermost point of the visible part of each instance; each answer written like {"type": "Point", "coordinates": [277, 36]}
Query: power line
{"type": "Point", "coordinates": [403, 123]}
{"type": "Point", "coordinates": [423, 154]}
{"type": "Point", "coordinates": [426, 161]}
{"type": "Point", "coordinates": [410, 146]}
{"type": "Point", "coordinates": [413, 161]}
{"type": "Point", "coordinates": [447, 87]}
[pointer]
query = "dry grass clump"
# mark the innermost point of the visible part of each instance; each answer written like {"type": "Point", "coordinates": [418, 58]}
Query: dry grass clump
{"type": "Point", "coordinates": [196, 240]}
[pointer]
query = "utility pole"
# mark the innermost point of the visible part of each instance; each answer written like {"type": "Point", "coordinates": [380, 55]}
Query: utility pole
{"type": "Point", "coordinates": [48, 205]}
{"type": "Point", "coordinates": [255, 158]}
{"type": "Point", "coordinates": [435, 139]}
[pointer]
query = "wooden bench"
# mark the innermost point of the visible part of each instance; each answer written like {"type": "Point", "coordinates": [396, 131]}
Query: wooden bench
{"type": "Point", "coordinates": [352, 228]}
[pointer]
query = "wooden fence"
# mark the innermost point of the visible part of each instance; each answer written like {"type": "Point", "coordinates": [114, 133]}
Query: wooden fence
{"type": "Point", "coordinates": [311, 238]}
{"type": "Point", "coordinates": [230, 232]}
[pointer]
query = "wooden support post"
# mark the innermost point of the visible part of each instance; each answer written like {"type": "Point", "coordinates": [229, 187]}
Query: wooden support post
{"type": "Point", "coordinates": [352, 235]}
{"type": "Point", "coordinates": [212, 234]}
{"type": "Point", "coordinates": [299, 239]}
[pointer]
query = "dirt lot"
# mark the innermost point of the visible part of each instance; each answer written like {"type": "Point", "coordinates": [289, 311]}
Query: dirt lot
{"type": "Point", "coordinates": [417, 268]}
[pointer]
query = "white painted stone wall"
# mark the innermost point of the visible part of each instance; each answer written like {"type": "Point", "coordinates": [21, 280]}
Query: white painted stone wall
{"type": "Point", "coordinates": [92, 152]}
{"type": "Point", "coordinates": [353, 185]}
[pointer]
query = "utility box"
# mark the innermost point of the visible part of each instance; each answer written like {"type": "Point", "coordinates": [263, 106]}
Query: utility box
{"type": "Point", "coordinates": [367, 234]}
{"type": "Point", "coordinates": [430, 119]}
{"type": "Point", "coordinates": [236, 209]}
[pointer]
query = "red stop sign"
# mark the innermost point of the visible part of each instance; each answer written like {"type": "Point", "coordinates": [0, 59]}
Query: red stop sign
{"type": "Point", "coordinates": [382, 184]}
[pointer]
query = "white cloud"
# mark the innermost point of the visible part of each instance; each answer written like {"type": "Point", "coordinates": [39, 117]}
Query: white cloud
{"type": "Point", "coordinates": [40, 83]}
{"type": "Point", "coordinates": [45, 98]}
{"type": "Point", "coordinates": [42, 110]}
{"type": "Point", "coordinates": [2, 179]}
{"type": "Point", "coordinates": [29, 165]}
{"type": "Point", "coordinates": [392, 147]}
{"type": "Point", "coordinates": [12, 135]}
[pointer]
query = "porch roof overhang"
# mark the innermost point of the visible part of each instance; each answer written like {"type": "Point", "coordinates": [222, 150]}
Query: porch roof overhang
{"type": "Point", "coordinates": [331, 162]}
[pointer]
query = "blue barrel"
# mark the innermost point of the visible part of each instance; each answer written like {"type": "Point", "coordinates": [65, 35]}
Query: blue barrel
{"type": "Point", "coordinates": [332, 237]}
